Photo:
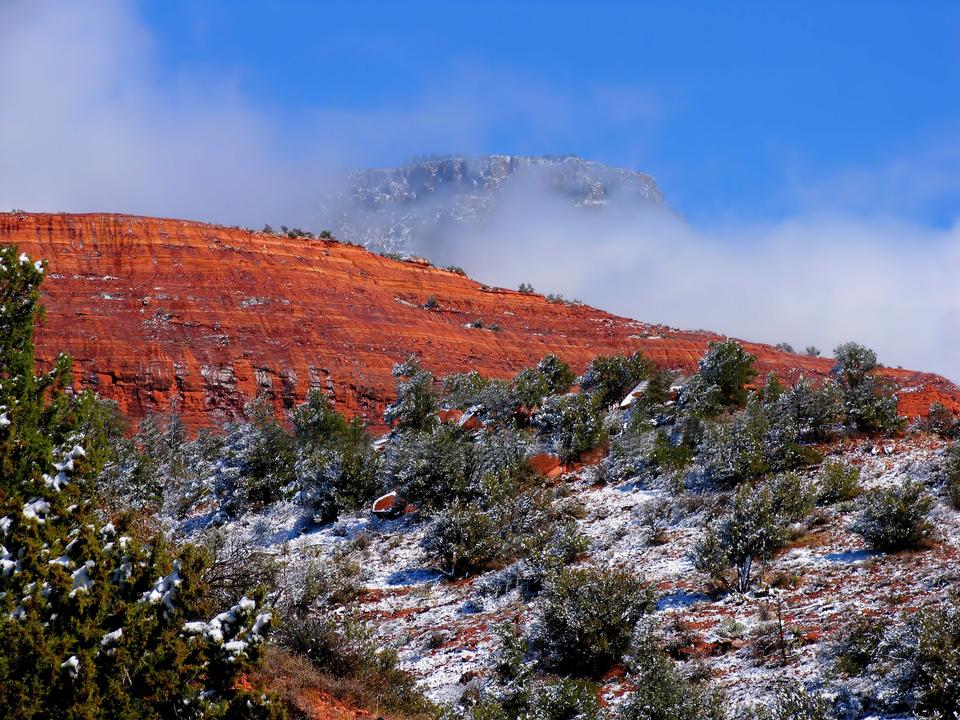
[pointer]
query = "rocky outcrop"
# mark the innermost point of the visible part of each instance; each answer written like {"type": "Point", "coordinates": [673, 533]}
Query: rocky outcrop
{"type": "Point", "coordinates": [157, 312]}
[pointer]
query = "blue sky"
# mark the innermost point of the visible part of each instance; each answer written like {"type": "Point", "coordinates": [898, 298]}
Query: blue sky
{"type": "Point", "coordinates": [734, 107]}
{"type": "Point", "coordinates": [812, 150]}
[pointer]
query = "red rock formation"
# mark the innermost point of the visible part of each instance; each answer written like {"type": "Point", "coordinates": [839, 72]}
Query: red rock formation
{"type": "Point", "coordinates": [154, 310]}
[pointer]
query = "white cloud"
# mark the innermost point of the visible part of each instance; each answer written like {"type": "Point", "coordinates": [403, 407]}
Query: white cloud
{"type": "Point", "coordinates": [815, 279]}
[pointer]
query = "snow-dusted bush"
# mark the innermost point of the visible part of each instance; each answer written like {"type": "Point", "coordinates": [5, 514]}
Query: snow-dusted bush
{"type": "Point", "coordinates": [416, 405]}
{"type": "Point", "coordinates": [952, 482]}
{"type": "Point", "coordinates": [817, 411]}
{"type": "Point", "coordinates": [551, 376]}
{"type": "Point", "coordinates": [870, 404]}
{"type": "Point", "coordinates": [586, 619]}
{"type": "Point", "coordinates": [609, 378]}
{"type": "Point", "coordinates": [838, 482]}
{"type": "Point", "coordinates": [664, 692]}
{"type": "Point", "coordinates": [754, 442]}
{"type": "Point", "coordinates": [569, 425]}
{"type": "Point", "coordinates": [895, 518]}
{"type": "Point", "coordinates": [908, 664]}
{"type": "Point", "coordinates": [791, 701]}
{"type": "Point", "coordinates": [941, 421]}
{"type": "Point", "coordinates": [493, 400]}
{"type": "Point", "coordinates": [756, 525]}
{"type": "Point", "coordinates": [721, 378]}
{"type": "Point", "coordinates": [499, 525]}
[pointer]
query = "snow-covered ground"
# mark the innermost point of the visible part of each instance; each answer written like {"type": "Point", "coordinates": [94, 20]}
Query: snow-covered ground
{"type": "Point", "coordinates": [444, 630]}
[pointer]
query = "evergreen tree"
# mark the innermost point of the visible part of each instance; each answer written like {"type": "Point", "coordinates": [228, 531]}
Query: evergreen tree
{"type": "Point", "coordinates": [93, 622]}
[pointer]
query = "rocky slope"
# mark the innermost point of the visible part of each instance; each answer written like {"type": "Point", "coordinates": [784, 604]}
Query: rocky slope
{"type": "Point", "coordinates": [156, 311]}
{"type": "Point", "coordinates": [419, 203]}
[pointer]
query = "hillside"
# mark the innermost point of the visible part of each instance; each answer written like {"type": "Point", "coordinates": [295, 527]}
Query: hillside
{"type": "Point", "coordinates": [155, 311]}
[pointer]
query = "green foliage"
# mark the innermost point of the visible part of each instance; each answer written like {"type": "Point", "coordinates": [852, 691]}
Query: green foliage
{"type": "Point", "coordinates": [434, 469]}
{"type": "Point", "coordinates": [941, 421]}
{"type": "Point", "coordinates": [839, 482]}
{"type": "Point", "coordinates": [917, 660]}
{"type": "Point", "coordinates": [665, 456]}
{"type": "Point", "coordinates": [663, 691]}
{"type": "Point", "coordinates": [856, 645]}
{"type": "Point", "coordinates": [758, 440]}
{"type": "Point", "coordinates": [570, 425]}
{"type": "Point", "coordinates": [95, 623]}
{"type": "Point", "coordinates": [336, 463]}
{"type": "Point", "coordinates": [552, 376]}
{"type": "Point", "coordinates": [416, 405]}
{"type": "Point", "coordinates": [756, 526]}
{"type": "Point", "coordinates": [721, 379]}
{"type": "Point", "coordinates": [609, 378]}
{"type": "Point", "coordinates": [854, 363]}
{"type": "Point", "coordinates": [895, 518]}
{"type": "Point", "coordinates": [869, 401]}
{"type": "Point", "coordinates": [269, 459]}
{"type": "Point", "coordinates": [816, 410]}
{"type": "Point", "coordinates": [526, 288]}
{"type": "Point", "coordinates": [586, 619]}
{"type": "Point", "coordinates": [792, 701]}
{"type": "Point", "coordinates": [952, 484]}
{"type": "Point", "coordinates": [494, 528]}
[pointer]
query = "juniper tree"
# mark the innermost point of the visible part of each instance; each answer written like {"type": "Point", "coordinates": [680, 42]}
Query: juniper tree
{"type": "Point", "coordinates": [94, 623]}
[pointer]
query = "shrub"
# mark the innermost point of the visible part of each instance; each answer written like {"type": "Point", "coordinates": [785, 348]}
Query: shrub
{"type": "Point", "coordinates": [416, 405]}
{"type": "Point", "coordinates": [495, 528]}
{"type": "Point", "coordinates": [816, 410]}
{"type": "Point", "coordinates": [855, 647]}
{"type": "Point", "coordinates": [462, 540]}
{"type": "Point", "coordinates": [784, 347]}
{"type": "Point", "coordinates": [267, 461]}
{"type": "Point", "coordinates": [586, 619]}
{"type": "Point", "coordinates": [895, 518]}
{"type": "Point", "coordinates": [723, 373]}
{"type": "Point", "coordinates": [434, 469]}
{"type": "Point", "coordinates": [952, 484]}
{"type": "Point", "coordinates": [941, 421]}
{"type": "Point", "coordinates": [570, 425]}
{"type": "Point", "coordinates": [869, 402]}
{"type": "Point", "coordinates": [792, 701]}
{"type": "Point", "coordinates": [666, 457]}
{"type": "Point", "coordinates": [526, 288]}
{"type": "Point", "coordinates": [609, 378]}
{"type": "Point", "coordinates": [839, 482]}
{"type": "Point", "coordinates": [915, 660]}
{"type": "Point", "coordinates": [811, 351]}
{"type": "Point", "coordinates": [663, 691]}
{"type": "Point", "coordinates": [755, 527]}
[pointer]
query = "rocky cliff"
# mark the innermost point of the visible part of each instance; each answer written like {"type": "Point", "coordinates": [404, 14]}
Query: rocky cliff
{"type": "Point", "coordinates": [158, 311]}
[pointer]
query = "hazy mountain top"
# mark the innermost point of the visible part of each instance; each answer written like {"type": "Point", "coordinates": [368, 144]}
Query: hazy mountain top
{"type": "Point", "coordinates": [397, 208]}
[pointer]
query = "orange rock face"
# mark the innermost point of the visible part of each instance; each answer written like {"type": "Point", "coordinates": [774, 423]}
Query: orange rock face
{"type": "Point", "coordinates": [158, 311]}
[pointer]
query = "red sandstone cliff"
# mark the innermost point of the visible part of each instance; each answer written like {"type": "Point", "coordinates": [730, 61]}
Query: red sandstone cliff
{"type": "Point", "coordinates": [153, 309]}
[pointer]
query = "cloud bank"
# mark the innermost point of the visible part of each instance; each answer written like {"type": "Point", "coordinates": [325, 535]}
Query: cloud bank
{"type": "Point", "coordinates": [88, 123]}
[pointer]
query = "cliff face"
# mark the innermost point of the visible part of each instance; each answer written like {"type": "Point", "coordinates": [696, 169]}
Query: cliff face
{"type": "Point", "coordinates": [155, 311]}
